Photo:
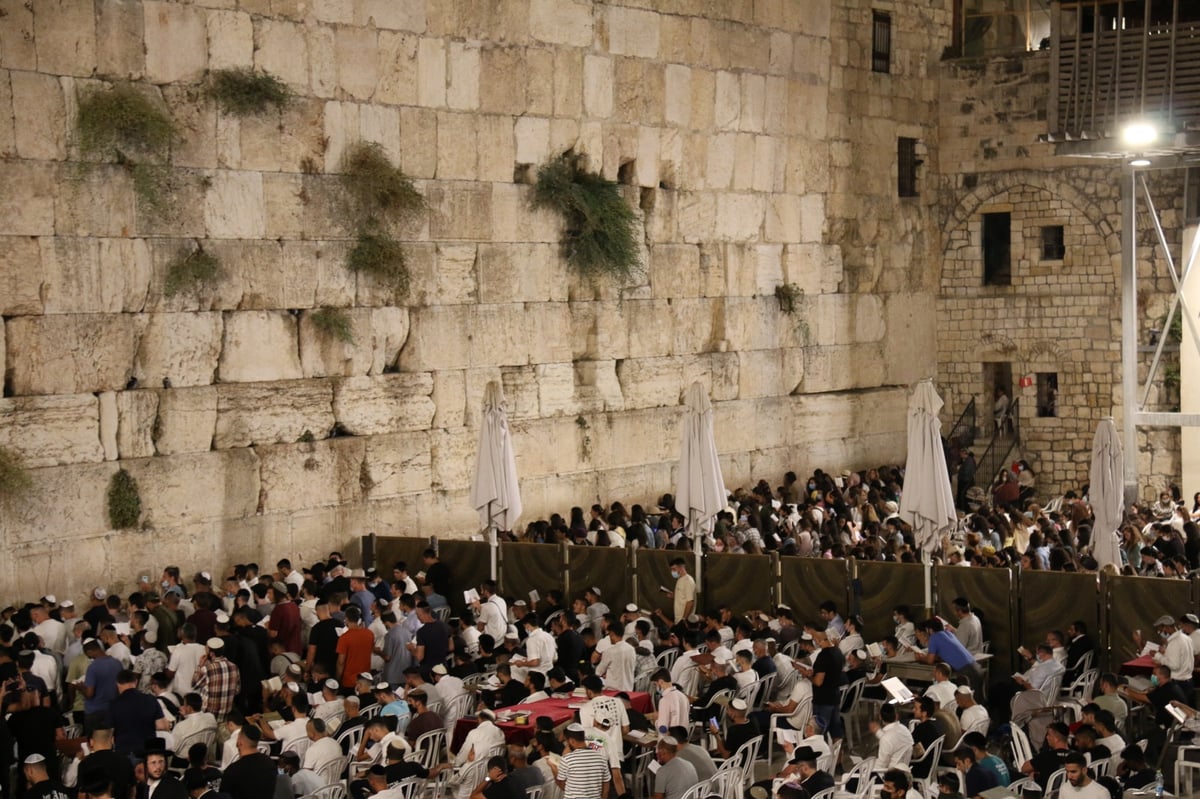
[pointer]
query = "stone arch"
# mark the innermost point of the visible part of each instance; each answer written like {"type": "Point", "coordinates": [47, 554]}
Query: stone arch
{"type": "Point", "coordinates": [1051, 183]}
{"type": "Point", "coordinates": [996, 345]}
{"type": "Point", "coordinates": [1044, 351]}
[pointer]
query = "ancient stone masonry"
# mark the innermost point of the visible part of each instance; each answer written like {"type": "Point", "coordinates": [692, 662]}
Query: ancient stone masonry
{"type": "Point", "coordinates": [1059, 315]}
{"type": "Point", "coordinates": [753, 140]}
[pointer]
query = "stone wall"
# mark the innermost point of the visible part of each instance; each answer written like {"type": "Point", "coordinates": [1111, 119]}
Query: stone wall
{"type": "Point", "coordinates": [1060, 316]}
{"type": "Point", "coordinates": [755, 143]}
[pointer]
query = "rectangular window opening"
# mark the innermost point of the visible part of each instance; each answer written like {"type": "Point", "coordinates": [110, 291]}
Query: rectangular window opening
{"type": "Point", "coordinates": [997, 249]}
{"type": "Point", "coordinates": [1053, 248]}
{"type": "Point", "coordinates": [908, 162]}
{"type": "Point", "coordinates": [1047, 394]}
{"type": "Point", "coordinates": [881, 42]}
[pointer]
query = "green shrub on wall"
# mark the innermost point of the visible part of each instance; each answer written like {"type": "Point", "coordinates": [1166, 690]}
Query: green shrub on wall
{"type": "Point", "coordinates": [246, 92]}
{"type": "Point", "coordinates": [334, 323]}
{"type": "Point", "coordinates": [191, 269]}
{"type": "Point", "coordinates": [124, 501]}
{"type": "Point", "coordinates": [601, 228]}
{"type": "Point", "coordinates": [123, 122]}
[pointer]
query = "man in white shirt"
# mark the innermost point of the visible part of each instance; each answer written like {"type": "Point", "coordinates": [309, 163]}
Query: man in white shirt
{"type": "Point", "coordinates": [673, 705]}
{"type": "Point", "coordinates": [115, 647]}
{"type": "Point", "coordinates": [540, 649]}
{"type": "Point", "coordinates": [52, 631]}
{"type": "Point", "coordinates": [448, 686]}
{"type": "Point", "coordinates": [1190, 624]}
{"type": "Point", "coordinates": [618, 664]}
{"type": "Point", "coordinates": [480, 740]}
{"type": "Point", "coordinates": [193, 722]}
{"type": "Point", "coordinates": [1079, 785]}
{"type": "Point", "coordinates": [941, 690]}
{"type": "Point", "coordinates": [895, 741]}
{"type": "Point", "coordinates": [229, 750]}
{"type": "Point", "coordinates": [331, 710]}
{"type": "Point", "coordinates": [968, 630]}
{"type": "Point", "coordinates": [322, 749]}
{"type": "Point", "coordinates": [290, 575]}
{"type": "Point", "coordinates": [491, 611]}
{"type": "Point", "coordinates": [974, 716]}
{"type": "Point", "coordinates": [184, 660]}
{"type": "Point", "coordinates": [1176, 653]}
{"type": "Point", "coordinates": [596, 610]}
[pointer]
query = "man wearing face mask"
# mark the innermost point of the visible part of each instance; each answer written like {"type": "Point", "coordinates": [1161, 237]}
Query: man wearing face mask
{"type": "Point", "coordinates": [1163, 690]}
{"type": "Point", "coordinates": [1035, 684]}
{"type": "Point", "coordinates": [1176, 652]}
{"type": "Point", "coordinates": [684, 595]}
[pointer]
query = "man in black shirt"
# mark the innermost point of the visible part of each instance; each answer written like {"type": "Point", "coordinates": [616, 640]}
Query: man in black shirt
{"type": "Point", "coordinates": [38, 779]}
{"type": "Point", "coordinates": [433, 639]}
{"type": "Point", "coordinates": [133, 715]}
{"type": "Point", "coordinates": [252, 775]}
{"type": "Point", "coordinates": [929, 728]}
{"type": "Point", "coordinates": [1052, 756]}
{"type": "Point", "coordinates": [826, 678]}
{"type": "Point", "coordinates": [741, 729]}
{"type": "Point", "coordinates": [570, 645]}
{"type": "Point", "coordinates": [104, 766]}
{"type": "Point", "coordinates": [437, 573]}
{"type": "Point", "coordinates": [322, 640]}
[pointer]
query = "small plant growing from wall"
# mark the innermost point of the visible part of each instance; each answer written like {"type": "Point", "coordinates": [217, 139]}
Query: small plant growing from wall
{"type": "Point", "coordinates": [245, 92]}
{"type": "Point", "coordinates": [127, 125]}
{"type": "Point", "coordinates": [190, 270]}
{"type": "Point", "coordinates": [378, 197]}
{"type": "Point", "coordinates": [601, 228]}
{"type": "Point", "coordinates": [787, 294]}
{"type": "Point", "coordinates": [124, 501]}
{"type": "Point", "coordinates": [334, 323]}
{"type": "Point", "coordinates": [14, 477]}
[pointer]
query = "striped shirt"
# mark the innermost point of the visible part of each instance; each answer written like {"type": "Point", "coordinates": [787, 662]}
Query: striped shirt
{"type": "Point", "coordinates": [583, 773]}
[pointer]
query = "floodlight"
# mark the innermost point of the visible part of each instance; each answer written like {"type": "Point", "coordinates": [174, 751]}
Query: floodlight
{"type": "Point", "coordinates": [1139, 134]}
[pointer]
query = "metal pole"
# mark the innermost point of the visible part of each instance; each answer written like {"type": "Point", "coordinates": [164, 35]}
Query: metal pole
{"type": "Point", "coordinates": [1129, 353]}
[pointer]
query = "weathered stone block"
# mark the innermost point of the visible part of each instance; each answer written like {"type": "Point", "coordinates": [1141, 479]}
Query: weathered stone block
{"type": "Point", "coordinates": [233, 206]}
{"type": "Point", "coordinates": [356, 51]}
{"type": "Point", "coordinates": [108, 424]}
{"type": "Point", "coordinates": [458, 147]}
{"type": "Point", "coordinates": [181, 347]}
{"type": "Point", "coordinates": [52, 431]}
{"type": "Point", "coordinates": [520, 273]}
{"type": "Point", "coordinates": [632, 31]}
{"type": "Point", "coordinates": [566, 22]}
{"type": "Point", "coordinates": [272, 413]}
{"type": "Point", "coordinates": [176, 42]}
{"type": "Point", "coordinates": [21, 277]}
{"type": "Point", "coordinates": [532, 136]}
{"type": "Point", "coordinates": [431, 73]}
{"type": "Point", "coordinates": [65, 37]}
{"type": "Point", "coordinates": [136, 412]}
{"type": "Point", "coordinates": [392, 15]}
{"type": "Point", "coordinates": [678, 98]}
{"type": "Point", "coordinates": [193, 487]}
{"type": "Point", "coordinates": [323, 355]}
{"type": "Point", "coordinates": [739, 216]}
{"type": "Point", "coordinates": [230, 40]}
{"type": "Point", "coordinates": [259, 345]}
{"type": "Point", "coordinates": [418, 142]}
{"type": "Point", "coordinates": [66, 502]}
{"type": "Point", "coordinates": [462, 90]}
{"type": "Point", "coordinates": [17, 48]}
{"type": "Point", "coordinates": [650, 382]}
{"type": "Point", "coordinates": [27, 203]}
{"type": "Point", "coordinates": [93, 275]}
{"type": "Point", "coordinates": [398, 83]}
{"type": "Point", "coordinates": [497, 151]}
{"type": "Point", "coordinates": [40, 116]}
{"type": "Point", "coordinates": [282, 50]}
{"type": "Point", "coordinates": [72, 354]}
{"type": "Point", "coordinates": [398, 464]}
{"type": "Point", "coordinates": [459, 211]}
{"type": "Point", "coordinates": [95, 201]}
{"type": "Point", "coordinates": [452, 458]}
{"type": "Point", "coordinates": [393, 403]}
{"type": "Point", "coordinates": [322, 61]}
{"type": "Point", "coordinates": [311, 475]}
{"type": "Point", "coordinates": [769, 373]}
{"type": "Point", "coordinates": [598, 86]}
{"type": "Point", "coordinates": [909, 326]}
{"type": "Point", "coordinates": [186, 421]}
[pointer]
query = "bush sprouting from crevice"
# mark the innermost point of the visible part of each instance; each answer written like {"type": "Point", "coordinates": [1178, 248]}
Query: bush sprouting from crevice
{"type": "Point", "coordinates": [333, 323]}
{"type": "Point", "coordinates": [382, 257]}
{"type": "Point", "coordinates": [125, 122]}
{"type": "Point", "coordinates": [377, 192]}
{"type": "Point", "coordinates": [124, 501]}
{"type": "Point", "coordinates": [14, 477]}
{"type": "Point", "coordinates": [191, 269]}
{"type": "Point", "coordinates": [600, 236]}
{"type": "Point", "coordinates": [245, 92]}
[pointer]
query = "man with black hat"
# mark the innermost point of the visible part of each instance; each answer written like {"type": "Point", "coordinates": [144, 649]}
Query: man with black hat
{"type": "Point", "coordinates": [38, 779]}
{"type": "Point", "coordinates": [158, 782]}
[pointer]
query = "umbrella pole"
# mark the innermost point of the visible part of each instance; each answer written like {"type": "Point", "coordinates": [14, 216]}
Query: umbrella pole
{"type": "Point", "coordinates": [698, 548]}
{"type": "Point", "coordinates": [493, 544]}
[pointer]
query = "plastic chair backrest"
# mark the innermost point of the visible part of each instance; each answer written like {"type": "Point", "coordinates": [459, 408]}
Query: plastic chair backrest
{"type": "Point", "coordinates": [351, 738]}
{"type": "Point", "coordinates": [666, 658]}
{"type": "Point", "coordinates": [1022, 751]}
{"type": "Point", "coordinates": [1054, 783]}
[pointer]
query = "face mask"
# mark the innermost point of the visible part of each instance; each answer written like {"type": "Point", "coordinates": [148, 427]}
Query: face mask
{"type": "Point", "coordinates": [675, 574]}
{"type": "Point", "coordinates": [1154, 680]}
{"type": "Point", "coordinates": [165, 584]}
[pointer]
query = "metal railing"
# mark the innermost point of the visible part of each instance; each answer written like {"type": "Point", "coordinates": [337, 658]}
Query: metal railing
{"type": "Point", "coordinates": [966, 427]}
{"type": "Point", "coordinates": [1006, 436]}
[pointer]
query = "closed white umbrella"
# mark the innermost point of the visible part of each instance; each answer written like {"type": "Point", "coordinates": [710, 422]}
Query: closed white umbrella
{"type": "Point", "coordinates": [928, 501]}
{"type": "Point", "coordinates": [1107, 492]}
{"type": "Point", "coordinates": [701, 491]}
{"type": "Point", "coordinates": [495, 492]}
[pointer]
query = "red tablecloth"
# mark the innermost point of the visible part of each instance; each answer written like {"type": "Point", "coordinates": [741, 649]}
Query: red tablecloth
{"type": "Point", "coordinates": [558, 710]}
{"type": "Point", "coordinates": [1140, 665]}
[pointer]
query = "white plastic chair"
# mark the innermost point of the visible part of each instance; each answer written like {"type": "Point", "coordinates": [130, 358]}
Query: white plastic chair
{"type": "Point", "coordinates": [1022, 751]}
{"type": "Point", "coordinates": [1185, 769]}
{"type": "Point", "coordinates": [335, 791]}
{"type": "Point", "coordinates": [427, 750]}
{"type": "Point", "coordinates": [931, 755]}
{"type": "Point", "coordinates": [726, 783]}
{"type": "Point", "coordinates": [350, 739]}
{"type": "Point", "coordinates": [862, 777]}
{"type": "Point", "coordinates": [1054, 784]}
{"type": "Point", "coordinates": [666, 658]}
{"type": "Point", "coordinates": [805, 713]}
{"type": "Point", "coordinates": [331, 771]}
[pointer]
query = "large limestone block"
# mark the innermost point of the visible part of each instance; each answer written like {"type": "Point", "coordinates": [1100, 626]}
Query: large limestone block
{"type": "Point", "coordinates": [515, 220]}
{"type": "Point", "coordinates": [281, 48]}
{"type": "Point", "coordinates": [566, 22]}
{"type": "Point", "coordinates": [556, 389]}
{"type": "Point", "coordinates": [650, 382]}
{"type": "Point", "coordinates": [598, 86]}
{"type": "Point", "coordinates": [176, 42]}
{"type": "Point", "coordinates": [728, 103]}
{"type": "Point", "coordinates": [183, 348]}
{"type": "Point", "coordinates": [397, 68]}
{"type": "Point", "coordinates": [438, 339]}
{"type": "Point", "coordinates": [259, 345]}
{"type": "Point", "coordinates": [497, 148]}
{"type": "Point", "coordinates": [108, 424]}
{"type": "Point", "coordinates": [398, 464]}
{"type": "Point", "coordinates": [452, 459]}
{"type": "Point", "coordinates": [519, 384]}
{"type": "Point", "coordinates": [678, 88]}
{"type": "Point", "coordinates": [64, 503]}
{"type": "Point", "coordinates": [458, 147]}
{"type": "Point", "coordinates": [389, 331]}
{"type": "Point", "coordinates": [272, 413]}
{"type": "Point", "coordinates": [321, 44]}
{"type": "Point", "coordinates": [95, 201]}
{"type": "Point", "coordinates": [459, 211]}
{"type": "Point", "coordinates": [39, 115]}
{"type": "Point", "coordinates": [449, 398]}
{"type": "Point", "coordinates": [845, 318]}
{"type": "Point", "coordinates": [698, 324]}
{"type": "Point", "coordinates": [72, 354]}
{"type": "Point", "coordinates": [65, 37]}
{"type": "Point", "coordinates": [27, 203]}
{"type": "Point", "coordinates": [673, 269]}
{"type": "Point", "coordinates": [506, 96]}
{"type": "Point", "coordinates": [388, 14]}
{"type": "Point", "coordinates": [136, 413]}
{"type": "Point", "coordinates": [520, 273]}
{"type": "Point", "coordinates": [543, 447]}
{"type": "Point", "coordinates": [632, 31]}
{"type": "Point", "coordinates": [769, 373]}
{"type": "Point", "coordinates": [418, 142]}
{"type": "Point", "coordinates": [908, 344]}
{"type": "Point", "coordinates": [462, 68]}
{"type": "Point", "coordinates": [444, 274]}
{"type": "Point", "coordinates": [311, 475]}
{"type": "Point", "coordinates": [93, 275]}
{"type": "Point", "coordinates": [654, 429]}
{"type": "Point", "coordinates": [647, 339]}
{"type": "Point", "coordinates": [230, 39]}
{"type": "Point", "coordinates": [532, 136]}
{"type": "Point", "coordinates": [21, 277]}
{"type": "Point", "coordinates": [739, 216]}
{"type": "Point", "coordinates": [187, 419]}
{"type": "Point", "coordinates": [323, 355]}
{"type": "Point", "coordinates": [815, 268]}
{"type": "Point", "coordinates": [568, 77]}
{"type": "Point", "coordinates": [195, 487]}
{"type": "Point", "coordinates": [825, 367]}
{"type": "Point", "coordinates": [380, 404]}
{"type": "Point", "coordinates": [357, 54]}
{"type": "Point", "coordinates": [51, 431]}
{"type": "Point", "coordinates": [233, 206]}
{"type": "Point", "coordinates": [597, 386]}
{"type": "Point", "coordinates": [431, 73]}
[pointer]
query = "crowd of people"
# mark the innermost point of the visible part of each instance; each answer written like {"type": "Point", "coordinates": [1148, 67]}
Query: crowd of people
{"type": "Point", "coordinates": [254, 681]}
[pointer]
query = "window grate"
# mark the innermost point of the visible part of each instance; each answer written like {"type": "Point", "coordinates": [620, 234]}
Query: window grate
{"type": "Point", "coordinates": [906, 157]}
{"type": "Point", "coordinates": [881, 42]}
{"type": "Point", "coordinates": [1053, 246]}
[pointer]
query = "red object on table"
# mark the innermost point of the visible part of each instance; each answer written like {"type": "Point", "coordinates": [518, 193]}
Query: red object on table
{"type": "Point", "coordinates": [558, 710]}
{"type": "Point", "coordinates": [1139, 665]}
